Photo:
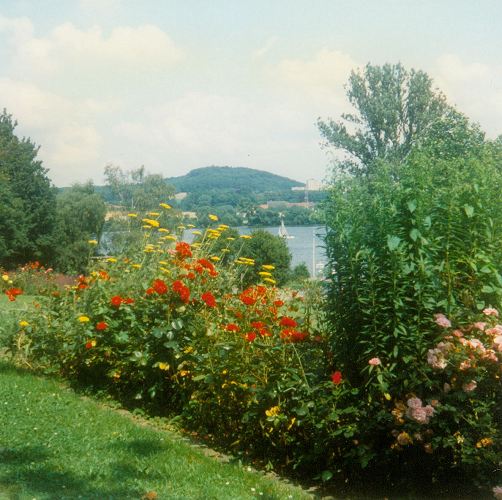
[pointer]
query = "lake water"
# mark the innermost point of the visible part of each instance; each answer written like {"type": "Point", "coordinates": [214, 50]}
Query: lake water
{"type": "Point", "coordinates": [306, 246]}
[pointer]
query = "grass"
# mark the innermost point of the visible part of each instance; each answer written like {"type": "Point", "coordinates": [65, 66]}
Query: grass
{"type": "Point", "coordinates": [54, 444]}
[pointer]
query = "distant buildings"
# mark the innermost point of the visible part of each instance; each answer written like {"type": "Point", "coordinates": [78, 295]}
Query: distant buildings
{"type": "Point", "coordinates": [310, 185]}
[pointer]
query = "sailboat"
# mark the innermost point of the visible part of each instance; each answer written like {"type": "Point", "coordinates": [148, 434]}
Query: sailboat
{"type": "Point", "coordinates": [283, 232]}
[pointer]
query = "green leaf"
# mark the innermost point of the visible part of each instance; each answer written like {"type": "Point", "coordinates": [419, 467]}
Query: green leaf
{"type": "Point", "coordinates": [412, 205]}
{"type": "Point", "coordinates": [172, 344]}
{"type": "Point", "coordinates": [326, 475]}
{"type": "Point", "coordinates": [414, 234]}
{"type": "Point", "coordinates": [469, 210]}
{"type": "Point", "coordinates": [177, 324]}
{"type": "Point", "coordinates": [393, 242]}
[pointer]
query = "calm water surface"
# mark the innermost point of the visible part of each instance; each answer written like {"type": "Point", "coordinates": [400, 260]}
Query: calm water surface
{"type": "Point", "coordinates": [306, 246]}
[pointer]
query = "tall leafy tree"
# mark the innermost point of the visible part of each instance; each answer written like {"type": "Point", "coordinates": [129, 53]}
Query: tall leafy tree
{"type": "Point", "coordinates": [27, 193]}
{"type": "Point", "coordinates": [137, 190]}
{"type": "Point", "coordinates": [80, 218]}
{"type": "Point", "coordinates": [394, 110]}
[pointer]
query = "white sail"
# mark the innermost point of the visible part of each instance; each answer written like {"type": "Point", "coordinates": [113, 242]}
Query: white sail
{"type": "Point", "coordinates": [283, 232]}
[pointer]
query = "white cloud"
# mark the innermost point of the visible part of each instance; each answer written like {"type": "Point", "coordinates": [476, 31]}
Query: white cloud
{"type": "Point", "coordinates": [82, 53]}
{"type": "Point", "coordinates": [475, 88]}
{"type": "Point", "coordinates": [64, 128]}
{"type": "Point", "coordinates": [199, 129]}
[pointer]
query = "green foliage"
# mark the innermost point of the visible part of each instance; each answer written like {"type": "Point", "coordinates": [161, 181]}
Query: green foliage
{"type": "Point", "coordinates": [237, 179]}
{"type": "Point", "coordinates": [395, 110]}
{"type": "Point", "coordinates": [136, 190]}
{"type": "Point", "coordinates": [411, 240]}
{"type": "Point", "coordinates": [27, 200]}
{"type": "Point", "coordinates": [299, 273]}
{"type": "Point", "coordinates": [80, 218]}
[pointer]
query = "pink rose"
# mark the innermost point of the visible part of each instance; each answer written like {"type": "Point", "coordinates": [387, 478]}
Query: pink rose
{"type": "Point", "coordinates": [469, 386]}
{"type": "Point", "coordinates": [442, 320]}
{"type": "Point", "coordinates": [374, 362]}
{"type": "Point", "coordinates": [490, 311]}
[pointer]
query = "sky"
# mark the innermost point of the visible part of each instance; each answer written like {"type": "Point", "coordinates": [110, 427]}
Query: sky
{"type": "Point", "coordinates": [177, 85]}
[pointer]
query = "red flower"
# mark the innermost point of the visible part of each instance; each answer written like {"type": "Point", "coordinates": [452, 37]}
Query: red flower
{"type": "Point", "coordinates": [264, 332]}
{"type": "Point", "coordinates": [104, 275]}
{"type": "Point", "coordinates": [191, 275]}
{"type": "Point", "coordinates": [246, 299]}
{"type": "Point", "coordinates": [12, 293]}
{"type": "Point", "coordinates": [183, 249]}
{"type": "Point", "coordinates": [251, 336]}
{"type": "Point", "coordinates": [298, 336]}
{"type": "Point", "coordinates": [209, 299]}
{"type": "Point", "coordinates": [128, 301]}
{"type": "Point", "coordinates": [258, 324]}
{"type": "Point", "coordinates": [101, 326]}
{"type": "Point", "coordinates": [182, 290]}
{"type": "Point", "coordinates": [89, 345]}
{"type": "Point", "coordinates": [278, 303]}
{"type": "Point", "coordinates": [82, 286]}
{"type": "Point", "coordinates": [336, 377]}
{"type": "Point", "coordinates": [232, 327]}
{"type": "Point", "coordinates": [288, 322]}
{"type": "Point", "coordinates": [160, 287]}
{"type": "Point", "coordinates": [116, 301]}
{"type": "Point", "coordinates": [206, 264]}
{"type": "Point", "coordinates": [150, 291]}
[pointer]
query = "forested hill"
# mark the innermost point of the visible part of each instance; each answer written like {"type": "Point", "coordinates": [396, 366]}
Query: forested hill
{"type": "Point", "coordinates": [239, 179]}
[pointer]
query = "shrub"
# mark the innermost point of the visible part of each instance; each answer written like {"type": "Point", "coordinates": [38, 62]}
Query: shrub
{"type": "Point", "coordinates": [412, 240]}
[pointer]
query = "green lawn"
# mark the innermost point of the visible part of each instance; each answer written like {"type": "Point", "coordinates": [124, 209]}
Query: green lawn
{"type": "Point", "coordinates": [54, 444]}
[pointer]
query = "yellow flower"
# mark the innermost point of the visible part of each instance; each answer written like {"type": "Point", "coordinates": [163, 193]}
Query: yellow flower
{"type": "Point", "coordinates": [163, 366]}
{"type": "Point", "coordinates": [265, 273]}
{"type": "Point", "coordinates": [230, 238]}
{"type": "Point", "coordinates": [136, 266]}
{"type": "Point", "coordinates": [92, 242]}
{"type": "Point", "coordinates": [188, 350]}
{"type": "Point", "coordinates": [163, 262]}
{"type": "Point", "coordinates": [215, 258]}
{"type": "Point", "coordinates": [146, 227]}
{"type": "Point", "coordinates": [151, 222]}
{"type": "Point", "coordinates": [84, 319]}
{"type": "Point", "coordinates": [111, 259]}
{"type": "Point", "coordinates": [246, 236]}
{"type": "Point", "coordinates": [484, 442]}
{"type": "Point", "coordinates": [153, 214]}
{"type": "Point", "coordinates": [190, 226]}
{"type": "Point", "coordinates": [23, 323]}
{"type": "Point", "coordinates": [5, 277]}
{"type": "Point", "coordinates": [163, 230]}
{"type": "Point", "coordinates": [293, 420]}
{"type": "Point", "coordinates": [184, 373]}
{"type": "Point", "coordinates": [165, 205]}
{"type": "Point", "coordinates": [196, 232]}
{"type": "Point", "coordinates": [181, 228]}
{"type": "Point", "coordinates": [270, 280]}
{"type": "Point", "coordinates": [164, 270]}
{"type": "Point", "coordinates": [222, 227]}
{"type": "Point", "coordinates": [170, 237]}
{"type": "Point", "coordinates": [132, 215]}
{"type": "Point", "coordinates": [273, 412]}
{"type": "Point", "coordinates": [213, 217]}
{"type": "Point", "coordinates": [268, 267]}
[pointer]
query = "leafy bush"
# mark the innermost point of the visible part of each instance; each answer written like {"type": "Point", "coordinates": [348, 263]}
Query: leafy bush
{"type": "Point", "coordinates": [415, 239]}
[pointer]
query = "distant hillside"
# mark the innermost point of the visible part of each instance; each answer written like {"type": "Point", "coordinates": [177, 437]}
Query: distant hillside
{"type": "Point", "coordinates": [238, 179]}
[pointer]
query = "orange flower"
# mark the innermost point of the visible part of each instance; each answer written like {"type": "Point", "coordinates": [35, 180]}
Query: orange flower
{"type": "Point", "coordinates": [183, 249]}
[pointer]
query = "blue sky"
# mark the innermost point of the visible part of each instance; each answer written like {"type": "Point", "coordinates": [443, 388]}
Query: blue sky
{"type": "Point", "coordinates": [176, 85]}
